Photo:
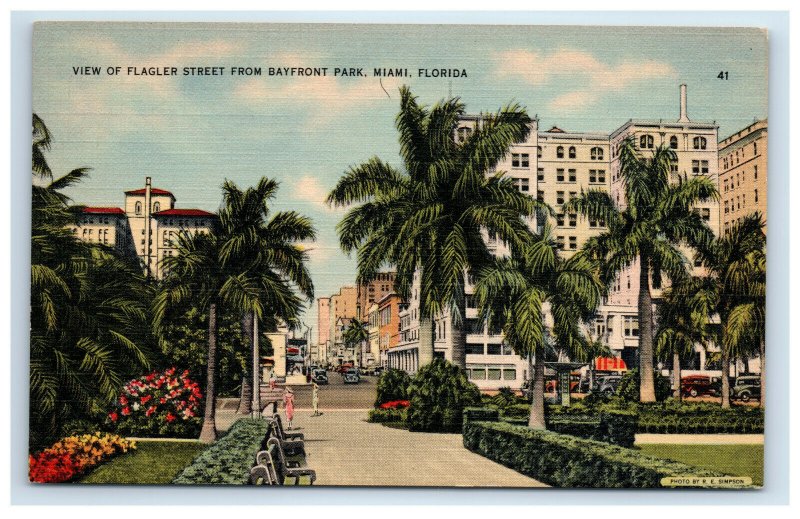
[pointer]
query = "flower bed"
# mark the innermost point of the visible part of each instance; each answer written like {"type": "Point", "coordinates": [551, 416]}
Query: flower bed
{"type": "Point", "coordinates": [75, 455]}
{"type": "Point", "coordinates": [391, 415]}
{"type": "Point", "coordinates": [165, 404]}
{"type": "Point", "coordinates": [568, 461]}
{"type": "Point", "coordinates": [394, 404]}
{"type": "Point", "coordinates": [229, 459]}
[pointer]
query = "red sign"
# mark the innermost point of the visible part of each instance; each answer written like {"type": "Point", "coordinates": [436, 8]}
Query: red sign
{"type": "Point", "coordinates": [609, 364]}
{"type": "Point", "coordinates": [293, 351]}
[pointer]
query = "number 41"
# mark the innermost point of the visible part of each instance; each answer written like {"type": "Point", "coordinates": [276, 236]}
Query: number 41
{"type": "Point", "coordinates": [723, 75]}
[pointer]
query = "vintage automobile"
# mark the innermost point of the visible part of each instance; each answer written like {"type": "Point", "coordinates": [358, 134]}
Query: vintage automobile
{"type": "Point", "coordinates": [696, 385]}
{"type": "Point", "coordinates": [608, 384]}
{"type": "Point", "coordinates": [320, 376]}
{"type": "Point", "coordinates": [746, 388]}
{"type": "Point", "coordinates": [351, 376]}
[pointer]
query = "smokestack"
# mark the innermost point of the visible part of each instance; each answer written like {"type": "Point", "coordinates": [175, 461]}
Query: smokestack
{"type": "Point", "coordinates": [684, 118]}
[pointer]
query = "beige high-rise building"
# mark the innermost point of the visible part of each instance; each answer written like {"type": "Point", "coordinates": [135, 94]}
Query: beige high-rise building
{"type": "Point", "coordinates": [743, 174]}
{"type": "Point", "coordinates": [373, 291]}
{"type": "Point", "coordinates": [147, 228]}
{"type": "Point", "coordinates": [323, 327]}
{"type": "Point", "coordinates": [342, 308]}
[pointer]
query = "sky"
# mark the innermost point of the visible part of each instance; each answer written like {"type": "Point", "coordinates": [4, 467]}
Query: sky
{"type": "Point", "coordinates": [190, 133]}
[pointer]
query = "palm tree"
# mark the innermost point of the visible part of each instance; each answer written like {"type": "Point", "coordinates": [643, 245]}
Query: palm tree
{"type": "Point", "coordinates": [516, 292]}
{"type": "Point", "coordinates": [683, 321]}
{"type": "Point", "coordinates": [736, 264]}
{"type": "Point", "coordinates": [262, 250]}
{"type": "Point", "coordinates": [354, 336]}
{"type": "Point", "coordinates": [645, 233]}
{"type": "Point", "coordinates": [430, 218]}
{"type": "Point", "coordinates": [88, 309]}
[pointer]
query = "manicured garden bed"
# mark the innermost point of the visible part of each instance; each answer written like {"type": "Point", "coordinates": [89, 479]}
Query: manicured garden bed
{"type": "Point", "coordinates": [563, 460]}
{"type": "Point", "coordinates": [154, 462]}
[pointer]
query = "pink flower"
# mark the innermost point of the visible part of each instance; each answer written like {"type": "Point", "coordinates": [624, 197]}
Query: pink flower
{"type": "Point", "coordinates": [123, 400]}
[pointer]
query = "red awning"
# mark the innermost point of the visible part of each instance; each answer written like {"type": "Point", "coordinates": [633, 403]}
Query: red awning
{"type": "Point", "coordinates": [293, 351]}
{"type": "Point", "coordinates": [609, 364]}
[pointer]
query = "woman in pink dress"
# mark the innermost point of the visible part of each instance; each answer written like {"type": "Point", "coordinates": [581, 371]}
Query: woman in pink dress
{"type": "Point", "coordinates": [288, 406]}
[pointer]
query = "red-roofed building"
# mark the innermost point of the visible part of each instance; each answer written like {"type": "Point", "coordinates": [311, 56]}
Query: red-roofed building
{"type": "Point", "coordinates": [146, 227]}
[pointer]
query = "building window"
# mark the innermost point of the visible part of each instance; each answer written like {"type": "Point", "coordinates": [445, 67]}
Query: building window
{"type": "Point", "coordinates": [755, 172]}
{"type": "Point", "coordinates": [755, 194]}
{"type": "Point", "coordinates": [138, 208]}
{"type": "Point", "coordinates": [646, 141]}
{"type": "Point", "coordinates": [631, 326]}
{"type": "Point", "coordinates": [573, 220]}
{"type": "Point", "coordinates": [463, 133]}
{"type": "Point", "coordinates": [540, 195]}
{"type": "Point", "coordinates": [519, 160]}
{"type": "Point", "coordinates": [523, 184]}
{"type": "Point", "coordinates": [560, 152]}
{"type": "Point", "coordinates": [726, 207]}
{"type": "Point", "coordinates": [755, 149]}
{"type": "Point", "coordinates": [540, 174]}
{"type": "Point", "coordinates": [673, 142]}
{"type": "Point", "coordinates": [592, 223]}
{"type": "Point", "coordinates": [560, 220]}
{"type": "Point", "coordinates": [572, 152]}
{"type": "Point", "coordinates": [539, 152]}
{"type": "Point", "coordinates": [573, 176]}
{"type": "Point", "coordinates": [560, 242]}
{"type": "Point", "coordinates": [493, 349]}
{"type": "Point", "coordinates": [573, 242]}
{"type": "Point", "coordinates": [156, 207]}
{"type": "Point", "coordinates": [706, 213]}
{"type": "Point", "coordinates": [701, 167]}
{"type": "Point", "coordinates": [560, 175]}
{"type": "Point", "coordinates": [474, 349]}
{"type": "Point", "coordinates": [673, 166]}
{"type": "Point", "coordinates": [699, 143]}
{"type": "Point", "coordinates": [559, 197]}
{"type": "Point", "coordinates": [596, 153]}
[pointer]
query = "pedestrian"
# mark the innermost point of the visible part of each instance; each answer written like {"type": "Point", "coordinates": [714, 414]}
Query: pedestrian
{"type": "Point", "coordinates": [315, 398]}
{"type": "Point", "coordinates": [272, 380]}
{"type": "Point", "coordinates": [288, 406]}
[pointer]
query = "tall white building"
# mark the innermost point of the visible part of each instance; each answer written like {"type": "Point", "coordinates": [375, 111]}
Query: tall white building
{"type": "Point", "coordinates": [556, 165]}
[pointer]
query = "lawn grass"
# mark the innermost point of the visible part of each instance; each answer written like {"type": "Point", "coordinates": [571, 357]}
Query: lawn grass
{"type": "Point", "coordinates": [154, 462]}
{"type": "Point", "coordinates": [732, 460]}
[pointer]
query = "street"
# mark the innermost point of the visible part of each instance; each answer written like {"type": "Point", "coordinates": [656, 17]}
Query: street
{"type": "Point", "coordinates": [338, 395]}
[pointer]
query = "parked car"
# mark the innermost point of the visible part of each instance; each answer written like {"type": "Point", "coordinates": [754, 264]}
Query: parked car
{"type": "Point", "coordinates": [342, 368]}
{"type": "Point", "coordinates": [351, 376]}
{"type": "Point", "coordinates": [377, 371]}
{"type": "Point", "coordinates": [608, 384]}
{"type": "Point", "coordinates": [696, 385]}
{"type": "Point", "coordinates": [319, 376]}
{"type": "Point", "coordinates": [746, 388]}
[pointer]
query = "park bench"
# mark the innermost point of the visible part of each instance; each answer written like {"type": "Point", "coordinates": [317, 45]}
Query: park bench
{"type": "Point", "coordinates": [291, 443]}
{"type": "Point", "coordinates": [274, 468]}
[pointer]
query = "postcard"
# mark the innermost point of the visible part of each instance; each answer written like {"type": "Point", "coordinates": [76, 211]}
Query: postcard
{"type": "Point", "coordinates": [398, 255]}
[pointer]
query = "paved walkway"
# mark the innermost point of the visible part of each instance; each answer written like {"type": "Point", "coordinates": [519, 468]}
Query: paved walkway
{"type": "Point", "coordinates": [701, 439]}
{"type": "Point", "coordinates": [344, 449]}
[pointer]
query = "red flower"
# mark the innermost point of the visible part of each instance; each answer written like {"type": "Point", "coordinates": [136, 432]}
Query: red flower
{"type": "Point", "coordinates": [162, 400]}
{"type": "Point", "coordinates": [146, 398]}
{"type": "Point", "coordinates": [123, 400]}
{"type": "Point", "coordinates": [170, 417]}
{"type": "Point", "coordinates": [126, 411]}
{"type": "Point", "coordinates": [113, 416]}
{"type": "Point", "coordinates": [150, 411]}
{"type": "Point", "coordinates": [150, 377]}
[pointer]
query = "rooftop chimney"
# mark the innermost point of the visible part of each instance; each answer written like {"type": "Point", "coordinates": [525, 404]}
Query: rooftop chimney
{"type": "Point", "coordinates": [684, 118]}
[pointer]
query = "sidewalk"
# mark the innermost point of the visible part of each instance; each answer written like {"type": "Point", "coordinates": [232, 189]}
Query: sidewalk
{"type": "Point", "coordinates": [344, 449]}
{"type": "Point", "coordinates": [701, 439]}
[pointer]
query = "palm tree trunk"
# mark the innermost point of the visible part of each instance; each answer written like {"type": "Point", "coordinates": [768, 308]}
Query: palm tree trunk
{"type": "Point", "coordinates": [647, 392]}
{"type": "Point", "coordinates": [459, 336]}
{"type": "Point", "coordinates": [425, 341]}
{"type": "Point", "coordinates": [676, 374]}
{"type": "Point", "coordinates": [208, 434]}
{"type": "Point", "coordinates": [726, 383]}
{"type": "Point", "coordinates": [762, 352]}
{"type": "Point", "coordinates": [536, 420]}
{"type": "Point", "coordinates": [255, 407]}
{"type": "Point", "coordinates": [246, 395]}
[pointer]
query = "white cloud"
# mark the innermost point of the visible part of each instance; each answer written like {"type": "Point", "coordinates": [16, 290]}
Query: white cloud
{"type": "Point", "coordinates": [591, 77]}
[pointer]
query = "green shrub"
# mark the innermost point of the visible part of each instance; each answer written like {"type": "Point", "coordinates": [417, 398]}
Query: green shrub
{"type": "Point", "coordinates": [567, 461]}
{"type": "Point", "coordinates": [480, 414]}
{"type": "Point", "coordinates": [229, 459]}
{"type": "Point", "coordinates": [618, 427]}
{"type": "Point", "coordinates": [439, 392]}
{"type": "Point", "coordinates": [629, 387]}
{"type": "Point", "coordinates": [392, 385]}
{"type": "Point", "coordinates": [387, 415]}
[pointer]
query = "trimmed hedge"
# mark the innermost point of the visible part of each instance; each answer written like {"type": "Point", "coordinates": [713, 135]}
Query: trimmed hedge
{"type": "Point", "coordinates": [677, 424]}
{"type": "Point", "coordinates": [481, 414]}
{"type": "Point", "coordinates": [613, 426]}
{"type": "Point", "coordinates": [439, 392]}
{"type": "Point", "coordinates": [387, 415]}
{"type": "Point", "coordinates": [229, 459]}
{"type": "Point", "coordinates": [567, 461]}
